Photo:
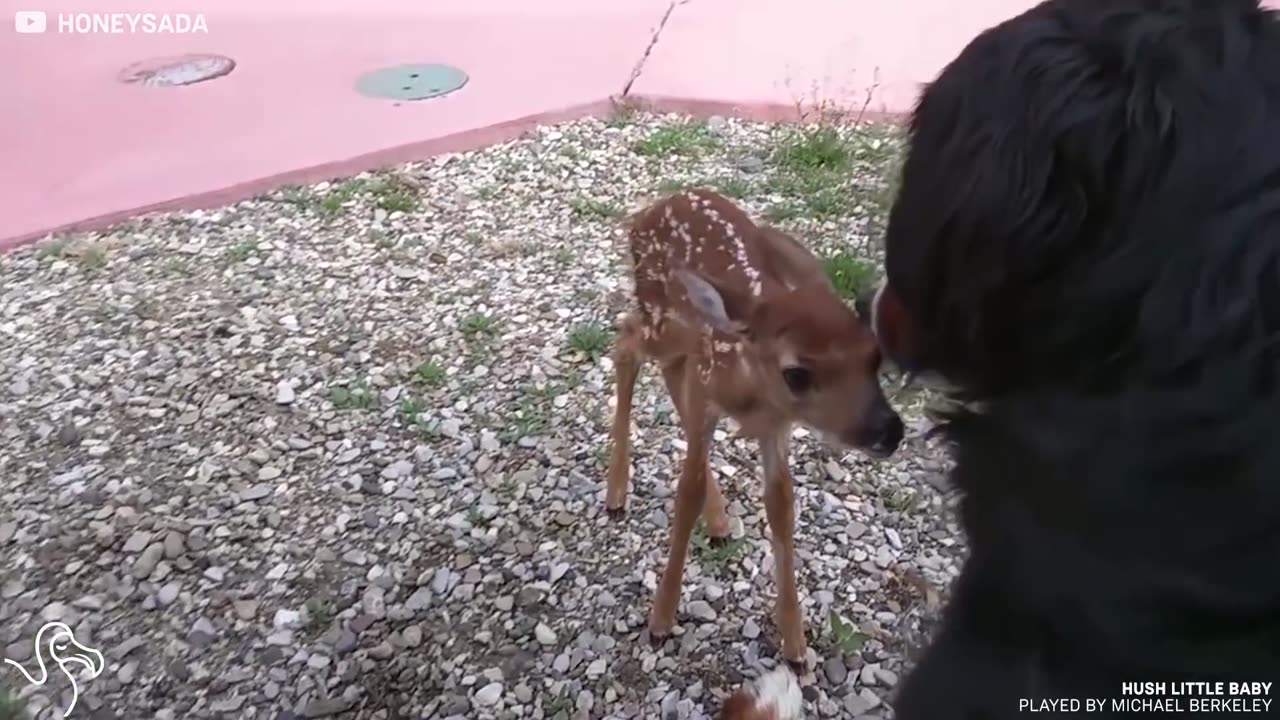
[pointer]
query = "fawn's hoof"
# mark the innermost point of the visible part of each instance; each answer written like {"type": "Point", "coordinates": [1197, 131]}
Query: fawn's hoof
{"type": "Point", "coordinates": [796, 666]}
{"type": "Point", "coordinates": [794, 654]}
{"type": "Point", "coordinates": [659, 632]}
{"type": "Point", "coordinates": [617, 513]}
{"type": "Point", "coordinates": [795, 657]}
{"type": "Point", "coordinates": [717, 542]}
{"type": "Point", "coordinates": [656, 639]}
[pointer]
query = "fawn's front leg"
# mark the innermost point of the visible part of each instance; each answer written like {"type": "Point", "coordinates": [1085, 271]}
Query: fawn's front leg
{"type": "Point", "coordinates": [715, 515]}
{"type": "Point", "coordinates": [779, 504]}
{"type": "Point", "coordinates": [691, 491]}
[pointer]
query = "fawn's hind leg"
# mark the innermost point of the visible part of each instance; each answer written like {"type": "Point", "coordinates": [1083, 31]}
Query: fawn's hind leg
{"type": "Point", "coordinates": [627, 358]}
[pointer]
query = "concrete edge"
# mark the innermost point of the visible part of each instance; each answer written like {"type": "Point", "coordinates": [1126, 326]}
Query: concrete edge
{"type": "Point", "coordinates": [754, 111]}
{"type": "Point", "coordinates": [463, 141]}
{"type": "Point", "coordinates": [413, 152]}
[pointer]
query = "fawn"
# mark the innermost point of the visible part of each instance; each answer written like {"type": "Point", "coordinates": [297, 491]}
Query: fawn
{"type": "Point", "coordinates": [743, 322]}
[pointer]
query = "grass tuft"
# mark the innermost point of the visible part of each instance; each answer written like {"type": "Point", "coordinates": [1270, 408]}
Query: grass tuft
{"type": "Point", "coordinates": [849, 274]}
{"type": "Point", "coordinates": [355, 396]}
{"type": "Point", "coordinates": [478, 325]}
{"type": "Point", "coordinates": [591, 340]}
{"type": "Point", "coordinates": [685, 138]}
{"type": "Point", "coordinates": [12, 707]}
{"type": "Point", "coordinates": [430, 373]}
{"type": "Point", "coordinates": [590, 208]}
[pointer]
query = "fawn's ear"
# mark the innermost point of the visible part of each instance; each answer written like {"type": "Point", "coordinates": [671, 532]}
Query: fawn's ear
{"type": "Point", "coordinates": [722, 310]}
{"type": "Point", "coordinates": [791, 258]}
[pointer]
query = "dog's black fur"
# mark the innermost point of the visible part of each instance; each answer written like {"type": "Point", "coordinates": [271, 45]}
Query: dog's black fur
{"type": "Point", "coordinates": [1086, 244]}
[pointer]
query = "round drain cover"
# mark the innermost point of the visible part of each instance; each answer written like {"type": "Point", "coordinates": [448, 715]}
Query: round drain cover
{"type": "Point", "coordinates": [182, 70]}
{"type": "Point", "coordinates": [411, 82]}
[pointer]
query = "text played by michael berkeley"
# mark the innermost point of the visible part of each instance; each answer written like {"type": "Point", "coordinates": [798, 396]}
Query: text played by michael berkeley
{"type": "Point", "coordinates": [1164, 697]}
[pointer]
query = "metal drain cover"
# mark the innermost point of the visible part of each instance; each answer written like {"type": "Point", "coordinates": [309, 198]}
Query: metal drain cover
{"type": "Point", "coordinates": [181, 70]}
{"type": "Point", "coordinates": [411, 82]}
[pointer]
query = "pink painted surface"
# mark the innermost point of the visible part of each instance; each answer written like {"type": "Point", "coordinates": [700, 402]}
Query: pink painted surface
{"type": "Point", "coordinates": [80, 149]}
{"type": "Point", "coordinates": [763, 57]}
{"type": "Point", "coordinates": [78, 145]}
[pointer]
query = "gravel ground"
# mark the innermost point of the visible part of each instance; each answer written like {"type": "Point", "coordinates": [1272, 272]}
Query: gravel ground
{"type": "Point", "coordinates": [339, 452]}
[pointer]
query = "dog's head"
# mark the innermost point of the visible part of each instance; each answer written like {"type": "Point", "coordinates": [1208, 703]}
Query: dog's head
{"type": "Point", "coordinates": [1083, 197]}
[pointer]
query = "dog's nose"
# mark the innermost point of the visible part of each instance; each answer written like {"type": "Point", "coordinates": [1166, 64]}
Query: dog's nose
{"type": "Point", "coordinates": [882, 429]}
{"type": "Point", "coordinates": [862, 305]}
{"type": "Point", "coordinates": [891, 432]}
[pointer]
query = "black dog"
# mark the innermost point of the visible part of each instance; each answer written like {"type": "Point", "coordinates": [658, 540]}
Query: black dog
{"type": "Point", "coordinates": [1086, 245]}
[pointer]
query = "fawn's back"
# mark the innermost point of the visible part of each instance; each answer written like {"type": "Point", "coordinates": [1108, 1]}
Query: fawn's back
{"type": "Point", "coordinates": [772, 340]}
{"type": "Point", "coordinates": [704, 232]}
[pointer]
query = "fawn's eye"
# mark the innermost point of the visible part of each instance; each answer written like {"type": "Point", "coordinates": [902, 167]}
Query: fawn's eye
{"type": "Point", "coordinates": [799, 380]}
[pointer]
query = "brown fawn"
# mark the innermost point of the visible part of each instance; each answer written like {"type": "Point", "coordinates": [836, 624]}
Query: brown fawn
{"type": "Point", "coordinates": [743, 322]}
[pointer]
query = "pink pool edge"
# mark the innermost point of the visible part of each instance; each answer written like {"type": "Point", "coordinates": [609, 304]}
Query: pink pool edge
{"type": "Point", "coordinates": [83, 150]}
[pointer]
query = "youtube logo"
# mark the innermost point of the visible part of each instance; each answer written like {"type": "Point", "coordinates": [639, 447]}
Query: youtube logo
{"type": "Point", "coordinates": [29, 21]}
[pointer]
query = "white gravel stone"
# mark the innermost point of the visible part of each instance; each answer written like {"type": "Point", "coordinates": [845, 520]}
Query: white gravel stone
{"type": "Point", "coordinates": [544, 634]}
{"type": "Point", "coordinates": [488, 695]}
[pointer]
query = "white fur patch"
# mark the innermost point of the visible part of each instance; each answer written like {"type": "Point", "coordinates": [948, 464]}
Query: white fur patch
{"type": "Point", "coordinates": [875, 309]}
{"type": "Point", "coordinates": [780, 690]}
